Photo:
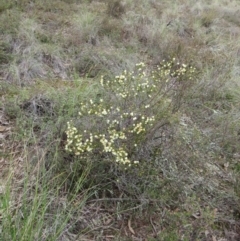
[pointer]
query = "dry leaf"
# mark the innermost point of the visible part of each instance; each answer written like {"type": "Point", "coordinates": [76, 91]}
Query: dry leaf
{"type": "Point", "coordinates": [196, 215]}
{"type": "Point", "coordinates": [226, 165]}
{"type": "Point", "coordinates": [107, 221]}
{"type": "Point", "coordinates": [214, 238]}
{"type": "Point", "coordinates": [3, 128]}
{"type": "Point", "coordinates": [129, 226]}
{"type": "Point", "coordinates": [215, 212]}
{"type": "Point", "coordinates": [206, 233]}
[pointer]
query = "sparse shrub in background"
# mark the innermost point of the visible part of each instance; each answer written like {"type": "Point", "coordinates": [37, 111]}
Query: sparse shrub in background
{"type": "Point", "coordinates": [129, 111]}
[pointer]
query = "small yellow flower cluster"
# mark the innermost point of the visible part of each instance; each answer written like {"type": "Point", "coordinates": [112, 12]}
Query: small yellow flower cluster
{"type": "Point", "coordinates": [122, 157]}
{"type": "Point", "coordinates": [173, 69]}
{"type": "Point", "coordinates": [75, 142]}
{"type": "Point", "coordinates": [116, 126]}
{"type": "Point", "coordinates": [135, 84]}
{"type": "Point", "coordinates": [112, 139]}
{"type": "Point", "coordinates": [140, 65]}
{"type": "Point", "coordinates": [138, 128]}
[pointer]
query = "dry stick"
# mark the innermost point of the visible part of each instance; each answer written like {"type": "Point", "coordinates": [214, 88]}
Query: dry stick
{"type": "Point", "coordinates": [121, 199]}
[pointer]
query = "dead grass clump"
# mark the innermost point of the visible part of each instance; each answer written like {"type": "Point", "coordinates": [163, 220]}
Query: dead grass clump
{"type": "Point", "coordinates": [56, 6]}
{"type": "Point", "coordinates": [142, 28]}
{"type": "Point", "coordinates": [38, 106]}
{"type": "Point", "coordinates": [95, 62]}
{"type": "Point", "coordinates": [208, 16]}
{"type": "Point", "coordinates": [115, 8]}
{"type": "Point", "coordinates": [232, 17]}
{"type": "Point", "coordinates": [83, 26]}
{"type": "Point", "coordinates": [34, 58]}
{"type": "Point", "coordinates": [112, 28]}
{"type": "Point", "coordinates": [51, 24]}
{"type": "Point", "coordinates": [87, 65]}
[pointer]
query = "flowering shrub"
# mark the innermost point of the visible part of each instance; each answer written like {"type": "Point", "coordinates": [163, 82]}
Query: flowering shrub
{"type": "Point", "coordinates": [132, 105]}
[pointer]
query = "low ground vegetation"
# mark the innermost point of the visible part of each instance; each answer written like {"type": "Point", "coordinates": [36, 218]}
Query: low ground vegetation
{"type": "Point", "coordinates": [119, 120]}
